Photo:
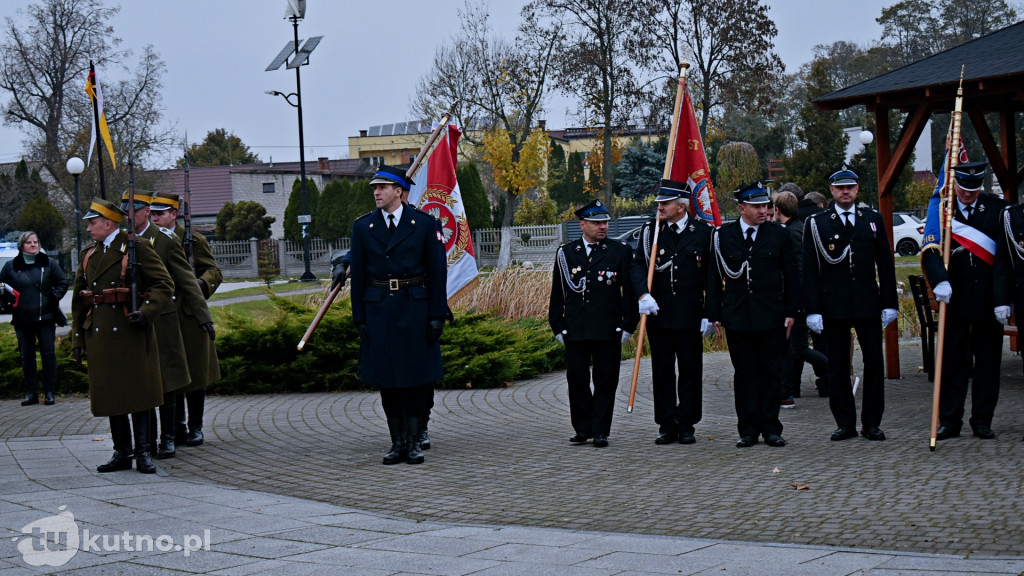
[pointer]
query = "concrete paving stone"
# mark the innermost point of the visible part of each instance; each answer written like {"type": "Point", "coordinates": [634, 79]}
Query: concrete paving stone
{"type": "Point", "coordinates": [520, 535]}
{"type": "Point", "coordinates": [296, 508]}
{"type": "Point", "coordinates": [330, 535]}
{"type": "Point", "coordinates": [378, 523]}
{"type": "Point", "coordinates": [125, 569]}
{"type": "Point", "coordinates": [430, 544]}
{"type": "Point", "coordinates": [553, 555]}
{"type": "Point", "coordinates": [203, 513]}
{"type": "Point", "coordinates": [904, 572]}
{"type": "Point", "coordinates": [280, 568]}
{"type": "Point", "coordinates": [199, 561]}
{"type": "Point", "coordinates": [997, 565]}
{"type": "Point", "coordinates": [424, 564]}
{"type": "Point", "coordinates": [643, 544]}
{"type": "Point", "coordinates": [153, 502]}
{"type": "Point", "coordinates": [256, 524]}
{"type": "Point", "coordinates": [541, 569]}
{"type": "Point", "coordinates": [651, 563]}
{"type": "Point", "coordinates": [267, 548]}
{"type": "Point", "coordinates": [177, 527]}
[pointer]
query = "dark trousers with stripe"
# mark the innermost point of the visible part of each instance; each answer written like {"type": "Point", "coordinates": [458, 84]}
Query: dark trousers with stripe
{"type": "Point", "coordinates": [591, 410]}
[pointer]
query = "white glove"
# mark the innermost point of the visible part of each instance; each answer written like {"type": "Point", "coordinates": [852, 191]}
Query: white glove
{"type": "Point", "coordinates": [815, 323]}
{"type": "Point", "coordinates": [561, 338]}
{"type": "Point", "coordinates": [648, 305]}
{"type": "Point", "coordinates": [706, 328]}
{"type": "Point", "coordinates": [1003, 314]}
{"type": "Point", "coordinates": [943, 291]}
{"type": "Point", "coordinates": [625, 335]}
{"type": "Point", "coordinates": [888, 317]}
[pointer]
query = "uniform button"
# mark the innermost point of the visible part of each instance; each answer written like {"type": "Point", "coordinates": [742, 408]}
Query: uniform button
{"type": "Point", "coordinates": [115, 328]}
{"type": "Point", "coordinates": [97, 330]}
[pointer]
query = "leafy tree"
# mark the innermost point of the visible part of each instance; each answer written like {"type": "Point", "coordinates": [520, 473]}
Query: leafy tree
{"type": "Point", "coordinates": [522, 173]}
{"type": "Point", "coordinates": [493, 83]}
{"type": "Point", "coordinates": [916, 29]}
{"type": "Point", "coordinates": [732, 45]}
{"type": "Point", "coordinates": [330, 213]}
{"type": "Point", "coordinates": [570, 192]}
{"type": "Point", "coordinates": [358, 200]}
{"type": "Point", "coordinates": [41, 217]}
{"type": "Point", "coordinates": [822, 135]}
{"type": "Point", "coordinates": [292, 228]}
{"type": "Point", "coordinates": [219, 148]}
{"type": "Point", "coordinates": [44, 60]}
{"type": "Point", "coordinates": [16, 191]}
{"type": "Point", "coordinates": [607, 49]}
{"type": "Point", "coordinates": [243, 220]}
{"type": "Point", "coordinates": [478, 206]}
{"type": "Point", "coordinates": [737, 164]}
{"type": "Point", "coordinates": [639, 173]}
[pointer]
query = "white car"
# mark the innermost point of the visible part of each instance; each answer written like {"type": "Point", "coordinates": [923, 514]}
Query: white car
{"type": "Point", "coordinates": [907, 231]}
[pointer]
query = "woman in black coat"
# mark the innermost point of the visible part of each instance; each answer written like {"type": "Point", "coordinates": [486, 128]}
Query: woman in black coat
{"type": "Point", "coordinates": [41, 285]}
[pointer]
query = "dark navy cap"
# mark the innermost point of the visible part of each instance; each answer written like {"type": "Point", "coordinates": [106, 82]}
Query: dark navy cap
{"type": "Point", "coordinates": [673, 190]}
{"type": "Point", "coordinates": [594, 211]}
{"type": "Point", "coordinates": [971, 175]}
{"type": "Point", "coordinates": [391, 175]}
{"type": "Point", "coordinates": [843, 176]}
{"type": "Point", "coordinates": [754, 193]}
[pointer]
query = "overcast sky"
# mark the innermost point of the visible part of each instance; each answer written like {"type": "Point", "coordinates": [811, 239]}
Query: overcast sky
{"type": "Point", "coordinates": [365, 68]}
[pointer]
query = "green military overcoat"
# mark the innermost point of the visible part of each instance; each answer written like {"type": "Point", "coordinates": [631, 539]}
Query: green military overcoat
{"type": "Point", "coordinates": [202, 352]}
{"type": "Point", "coordinates": [123, 359]}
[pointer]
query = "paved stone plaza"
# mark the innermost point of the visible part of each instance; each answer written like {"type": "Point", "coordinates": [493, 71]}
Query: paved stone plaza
{"type": "Point", "coordinates": [501, 459]}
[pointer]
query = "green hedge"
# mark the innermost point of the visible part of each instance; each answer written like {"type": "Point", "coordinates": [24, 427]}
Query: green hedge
{"type": "Point", "coordinates": [479, 351]}
{"type": "Point", "coordinates": [70, 378]}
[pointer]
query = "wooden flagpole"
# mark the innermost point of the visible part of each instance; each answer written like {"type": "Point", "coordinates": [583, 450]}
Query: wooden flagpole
{"type": "Point", "coordinates": [673, 132]}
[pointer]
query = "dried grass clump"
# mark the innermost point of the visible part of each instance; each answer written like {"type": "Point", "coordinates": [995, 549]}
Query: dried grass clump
{"type": "Point", "coordinates": [513, 293]}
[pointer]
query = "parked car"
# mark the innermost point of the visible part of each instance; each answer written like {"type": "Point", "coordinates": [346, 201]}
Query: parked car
{"type": "Point", "coordinates": [631, 237]}
{"type": "Point", "coordinates": [907, 231]}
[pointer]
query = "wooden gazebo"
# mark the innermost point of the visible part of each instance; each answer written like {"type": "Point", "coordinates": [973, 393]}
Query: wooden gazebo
{"type": "Point", "coordinates": [993, 83]}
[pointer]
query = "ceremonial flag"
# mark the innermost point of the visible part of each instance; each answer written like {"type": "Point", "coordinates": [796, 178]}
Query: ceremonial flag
{"type": "Point", "coordinates": [92, 88]}
{"type": "Point", "coordinates": [690, 163]}
{"type": "Point", "coordinates": [438, 195]}
{"type": "Point", "coordinates": [933, 224]}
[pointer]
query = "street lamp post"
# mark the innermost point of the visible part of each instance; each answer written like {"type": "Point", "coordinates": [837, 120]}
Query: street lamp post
{"type": "Point", "coordinates": [866, 138]}
{"type": "Point", "coordinates": [75, 167]}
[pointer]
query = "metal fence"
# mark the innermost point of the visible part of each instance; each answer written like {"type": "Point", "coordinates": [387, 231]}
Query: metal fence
{"type": "Point", "coordinates": [534, 244]}
{"type": "Point", "coordinates": [242, 259]}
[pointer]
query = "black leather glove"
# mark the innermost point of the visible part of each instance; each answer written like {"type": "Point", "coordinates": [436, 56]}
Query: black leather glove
{"type": "Point", "coordinates": [364, 334]}
{"type": "Point", "coordinates": [338, 275]}
{"type": "Point", "coordinates": [434, 331]}
{"type": "Point", "coordinates": [79, 353]}
{"type": "Point", "coordinates": [137, 318]}
{"type": "Point", "coordinates": [208, 328]}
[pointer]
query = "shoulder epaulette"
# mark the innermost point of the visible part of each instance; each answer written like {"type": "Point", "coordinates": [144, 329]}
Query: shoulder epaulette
{"type": "Point", "coordinates": [365, 215]}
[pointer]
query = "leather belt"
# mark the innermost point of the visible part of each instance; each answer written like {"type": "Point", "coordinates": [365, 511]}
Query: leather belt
{"type": "Point", "coordinates": [398, 283]}
{"type": "Point", "coordinates": [110, 296]}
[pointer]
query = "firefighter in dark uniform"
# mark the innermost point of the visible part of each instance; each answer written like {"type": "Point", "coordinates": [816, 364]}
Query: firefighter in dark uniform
{"type": "Point", "coordinates": [972, 330]}
{"type": "Point", "coordinates": [399, 303]}
{"type": "Point", "coordinates": [592, 313]}
{"type": "Point", "coordinates": [124, 367]}
{"type": "Point", "coordinates": [201, 351]}
{"type": "Point", "coordinates": [677, 321]}
{"type": "Point", "coordinates": [1008, 272]}
{"type": "Point", "coordinates": [753, 293]}
{"type": "Point", "coordinates": [844, 248]}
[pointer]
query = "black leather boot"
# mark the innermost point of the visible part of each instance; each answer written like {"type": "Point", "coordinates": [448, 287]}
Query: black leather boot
{"type": "Point", "coordinates": [140, 426]}
{"type": "Point", "coordinates": [30, 399]}
{"type": "Point", "coordinates": [195, 436]}
{"type": "Point", "coordinates": [50, 400]}
{"type": "Point", "coordinates": [121, 434]}
{"type": "Point", "coordinates": [153, 436]}
{"type": "Point", "coordinates": [396, 454]}
{"type": "Point", "coordinates": [167, 413]}
{"type": "Point", "coordinates": [414, 453]}
{"type": "Point", "coordinates": [196, 401]}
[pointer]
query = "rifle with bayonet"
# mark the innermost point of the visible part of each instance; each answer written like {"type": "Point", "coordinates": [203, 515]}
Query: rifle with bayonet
{"type": "Point", "coordinates": [130, 272]}
{"type": "Point", "coordinates": [186, 213]}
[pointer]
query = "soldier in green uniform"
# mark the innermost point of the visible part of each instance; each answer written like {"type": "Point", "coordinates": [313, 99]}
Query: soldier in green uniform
{"type": "Point", "coordinates": [202, 353]}
{"type": "Point", "coordinates": [119, 337]}
{"type": "Point", "coordinates": [169, 332]}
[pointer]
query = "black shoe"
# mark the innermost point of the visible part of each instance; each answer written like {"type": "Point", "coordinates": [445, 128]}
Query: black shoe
{"type": "Point", "coordinates": [143, 463]}
{"type": "Point", "coordinates": [984, 431]}
{"type": "Point", "coordinates": [413, 451]}
{"type": "Point", "coordinates": [579, 439]}
{"type": "Point", "coordinates": [746, 441]}
{"type": "Point", "coordinates": [166, 447]}
{"type": "Point", "coordinates": [195, 437]}
{"type": "Point", "coordinates": [687, 438]}
{"type": "Point", "coordinates": [842, 433]}
{"type": "Point", "coordinates": [30, 399]}
{"type": "Point", "coordinates": [180, 434]}
{"type": "Point", "coordinates": [50, 401]}
{"type": "Point", "coordinates": [119, 461]}
{"type": "Point", "coordinates": [665, 438]}
{"type": "Point", "coordinates": [774, 440]}
{"type": "Point", "coordinates": [600, 441]}
{"type": "Point", "coordinates": [822, 387]}
{"type": "Point", "coordinates": [873, 433]}
{"type": "Point", "coordinates": [424, 440]}
{"type": "Point", "coordinates": [945, 432]}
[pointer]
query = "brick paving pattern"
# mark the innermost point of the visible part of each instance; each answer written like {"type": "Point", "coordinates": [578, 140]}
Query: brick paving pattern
{"type": "Point", "coordinates": [501, 457]}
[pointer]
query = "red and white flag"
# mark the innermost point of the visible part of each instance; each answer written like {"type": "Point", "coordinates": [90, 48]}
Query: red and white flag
{"type": "Point", "coordinates": [438, 195]}
{"type": "Point", "coordinates": [690, 163]}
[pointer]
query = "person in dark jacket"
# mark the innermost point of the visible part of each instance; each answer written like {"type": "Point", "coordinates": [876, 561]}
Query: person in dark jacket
{"type": "Point", "coordinates": [41, 285]}
{"type": "Point", "coordinates": [399, 303]}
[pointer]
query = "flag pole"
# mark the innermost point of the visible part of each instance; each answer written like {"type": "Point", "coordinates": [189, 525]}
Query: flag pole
{"type": "Point", "coordinates": [946, 202]}
{"type": "Point", "coordinates": [673, 131]}
{"type": "Point", "coordinates": [417, 163]}
{"type": "Point", "coordinates": [96, 128]}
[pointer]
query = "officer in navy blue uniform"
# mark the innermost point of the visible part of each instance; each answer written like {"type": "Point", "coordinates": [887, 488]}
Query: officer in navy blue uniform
{"type": "Point", "coordinates": [592, 313]}
{"type": "Point", "coordinates": [677, 319]}
{"type": "Point", "coordinates": [754, 293]}
{"type": "Point", "coordinates": [1008, 272]}
{"type": "Point", "coordinates": [844, 248]}
{"type": "Point", "coordinates": [974, 336]}
{"type": "Point", "coordinates": [399, 302]}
